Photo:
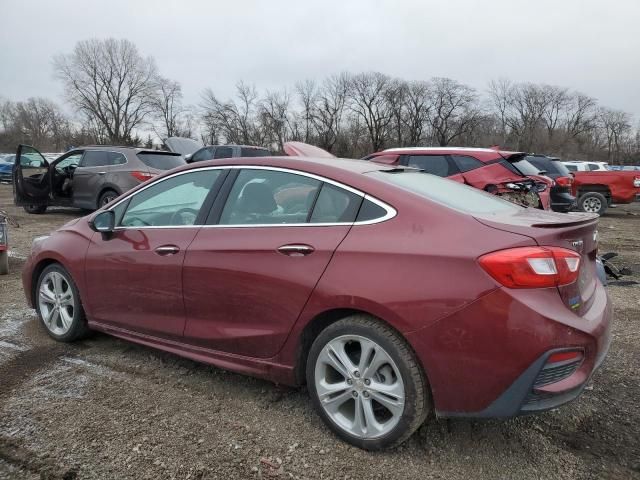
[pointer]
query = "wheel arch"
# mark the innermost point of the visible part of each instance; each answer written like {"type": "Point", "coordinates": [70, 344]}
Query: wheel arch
{"type": "Point", "coordinates": [37, 271]}
{"type": "Point", "coordinates": [321, 321]}
{"type": "Point", "coordinates": [105, 188]}
{"type": "Point", "coordinates": [595, 188]}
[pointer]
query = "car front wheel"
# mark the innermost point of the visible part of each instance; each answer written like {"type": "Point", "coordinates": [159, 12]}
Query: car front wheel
{"type": "Point", "coordinates": [366, 383]}
{"type": "Point", "coordinates": [35, 209]}
{"type": "Point", "coordinates": [58, 305]}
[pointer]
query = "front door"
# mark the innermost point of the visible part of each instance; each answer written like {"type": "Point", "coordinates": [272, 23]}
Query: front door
{"type": "Point", "coordinates": [88, 178]}
{"type": "Point", "coordinates": [248, 275]}
{"type": "Point", "coordinates": [134, 278]}
{"type": "Point", "coordinates": [31, 184]}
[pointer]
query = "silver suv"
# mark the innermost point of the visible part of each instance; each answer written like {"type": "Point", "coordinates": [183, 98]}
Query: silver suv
{"type": "Point", "coordinates": [86, 177]}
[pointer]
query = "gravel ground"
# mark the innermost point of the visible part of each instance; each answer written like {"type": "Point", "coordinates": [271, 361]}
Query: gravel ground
{"type": "Point", "coordinates": [104, 408]}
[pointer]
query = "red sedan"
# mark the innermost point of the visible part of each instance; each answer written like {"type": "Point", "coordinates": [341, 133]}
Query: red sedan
{"type": "Point", "coordinates": [389, 292]}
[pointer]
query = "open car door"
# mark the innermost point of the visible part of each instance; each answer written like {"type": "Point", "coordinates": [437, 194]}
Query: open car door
{"type": "Point", "coordinates": [31, 183]}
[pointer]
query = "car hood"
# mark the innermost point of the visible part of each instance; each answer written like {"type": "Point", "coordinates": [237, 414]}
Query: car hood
{"type": "Point", "coordinates": [182, 145]}
{"type": "Point", "coordinates": [301, 149]}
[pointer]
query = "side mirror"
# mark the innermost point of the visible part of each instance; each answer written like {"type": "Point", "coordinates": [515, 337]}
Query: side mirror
{"type": "Point", "coordinates": [187, 158]}
{"type": "Point", "coordinates": [105, 223]}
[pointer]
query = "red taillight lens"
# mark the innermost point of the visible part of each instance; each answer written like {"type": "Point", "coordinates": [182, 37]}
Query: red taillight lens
{"type": "Point", "coordinates": [564, 181]}
{"type": "Point", "coordinates": [142, 176]}
{"type": "Point", "coordinates": [532, 267]}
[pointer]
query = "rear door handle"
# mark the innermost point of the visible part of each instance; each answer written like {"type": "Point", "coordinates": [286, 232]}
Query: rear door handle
{"type": "Point", "coordinates": [296, 250]}
{"type": "Point", "coordinates": [166, 250]}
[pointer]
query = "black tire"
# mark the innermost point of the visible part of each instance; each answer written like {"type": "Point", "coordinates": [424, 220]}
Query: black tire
{"type": "Point", "coordinates": [417, 404]}
{"type": "Point", "coordinates": [106, 197]}
{"type": "Point", "coordinates": [4, 262]}
{"type": "Point", "coordinates": [35, 209]}
{"type": "Point", "coordinates": [593, 202]}
{"type": "Point", "coordinates": [78, 328]}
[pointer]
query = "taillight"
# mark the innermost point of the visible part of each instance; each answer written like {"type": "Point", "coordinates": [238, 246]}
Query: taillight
{"type": "Point", "coordinates": [564, 181]}
{"type": "Point", "coordinates": [142, 176]}
{"type": "Point", "coordinates": [532, 267]}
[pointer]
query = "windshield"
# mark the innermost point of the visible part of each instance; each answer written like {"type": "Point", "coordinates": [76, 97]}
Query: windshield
{"type": "Point", "coordinates": [526, 167]}
{"type": "Point", "coordinates": [446, 192]}
{"type": "Point", "coordinates": [161, 161]}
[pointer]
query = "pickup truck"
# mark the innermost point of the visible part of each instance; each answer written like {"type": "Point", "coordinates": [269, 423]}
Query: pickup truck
{"type": "Point", "coordinates": [597, 190]}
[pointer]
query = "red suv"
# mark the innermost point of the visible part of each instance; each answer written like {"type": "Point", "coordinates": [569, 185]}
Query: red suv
{"type": "Point", "coordinates": [392, 293]}
{"type": "Point", "coordinates": [484, 168]}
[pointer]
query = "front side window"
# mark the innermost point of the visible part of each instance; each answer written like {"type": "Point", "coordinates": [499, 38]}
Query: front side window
{"type": "Point", "coordinates": [434, 164]}
{"type": "Point", "coordinates": [269, 197]}
{"type": "Point", "coordinates": [175, 201]}
{"type": "Point", "coordinates": [571, 168]}
{"type": "Point", "coordinates": [202, 154]}
{"type": "Point", "coordinates": [593, 166]}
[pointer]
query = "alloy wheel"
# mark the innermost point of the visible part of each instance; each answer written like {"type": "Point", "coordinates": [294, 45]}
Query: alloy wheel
{"type": "Point", "coordinates": [107, 199]}
{"type": "Point", "coordinates": [359, 386]}
{"type": "Point", "coordinates": [56, 302]}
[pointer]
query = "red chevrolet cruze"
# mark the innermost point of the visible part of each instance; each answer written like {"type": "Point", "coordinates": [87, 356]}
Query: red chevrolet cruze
{"type": "Point", "coordinates": [391, 293]}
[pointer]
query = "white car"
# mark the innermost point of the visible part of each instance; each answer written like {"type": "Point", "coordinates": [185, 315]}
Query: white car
{"type": "Point", "coordinates": [575, 166]}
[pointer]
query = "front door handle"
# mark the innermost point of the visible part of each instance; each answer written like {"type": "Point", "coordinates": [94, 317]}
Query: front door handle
{"type": "Point", "coordinates": [296, 250]}
{"type": "Point", "coordinates": [166, 250]}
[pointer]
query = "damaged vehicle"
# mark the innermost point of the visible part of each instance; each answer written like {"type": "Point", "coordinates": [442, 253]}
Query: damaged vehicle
{"type": "Point", "coordinates": [290, 269]}
{"type": "Point", "coordinates": [488, 169]}
{"type": "Point", "coordinates": [85, 177]}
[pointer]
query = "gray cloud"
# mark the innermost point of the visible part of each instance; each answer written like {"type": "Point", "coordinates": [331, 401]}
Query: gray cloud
{"type": "Point", "coordinates": [588, 45]}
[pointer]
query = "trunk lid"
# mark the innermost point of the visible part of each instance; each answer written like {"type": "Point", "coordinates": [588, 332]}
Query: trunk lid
{"type": "Point", "coordinates": [574, 231]}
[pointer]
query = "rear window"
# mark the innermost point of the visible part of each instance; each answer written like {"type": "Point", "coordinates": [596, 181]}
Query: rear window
{"type": "Point", "coordinates": [254, 152]}
{"type": "Point", "coordinates": [526, 167]}
{"type": "Point", "coordinates": [553, 167]}
{"type": "Point", "coordinates": [161, 161]}
{"type": "Point", "coordinates": [447, 192]}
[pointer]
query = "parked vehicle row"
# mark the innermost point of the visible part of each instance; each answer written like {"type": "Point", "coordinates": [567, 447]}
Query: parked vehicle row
{"type": "Point", "coordinates": [576, 166]}
{"type": "Point", "coordinates": [393, 294]}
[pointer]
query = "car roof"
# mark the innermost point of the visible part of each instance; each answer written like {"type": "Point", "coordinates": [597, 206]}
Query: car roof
{"type": "Point", "coordinates": [125, 148]}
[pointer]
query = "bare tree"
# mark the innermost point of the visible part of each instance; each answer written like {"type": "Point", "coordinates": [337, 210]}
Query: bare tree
{"type": "Point", "coordinates": [109, 82]}
{"type": "Point", "coordinates": [274, 110]}
{"type": "Point", "coordinates": [328, 110]}
{"type": "Point", "coordinates": [454, 110]}
{"type": "Point", "coordinates": [168, 110]}
{"type": "Point", "coordinates": [615, 124]}
{"type": "Point", "coordinates": [369, 101]}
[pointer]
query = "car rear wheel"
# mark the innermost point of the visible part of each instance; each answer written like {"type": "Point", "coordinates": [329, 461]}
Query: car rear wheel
{"type": "Point", "coordinates": [107, 197]}
{"type": "Point", "coordinates": [35, 209]}
{"type": "Point", "coordinates": [58, 305]}
{"type": "Point", "coordinates": [593, 202]}
{"type": "Point", "coordinates": [366, 383]}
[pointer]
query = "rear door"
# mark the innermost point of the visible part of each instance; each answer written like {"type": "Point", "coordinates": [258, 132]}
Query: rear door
{"type": "Point", "coordinates": [248, 275]}
{"type": "Point", "coordinates": [89, 176]}
{"type": "Point", "coordinates": [31, 178]}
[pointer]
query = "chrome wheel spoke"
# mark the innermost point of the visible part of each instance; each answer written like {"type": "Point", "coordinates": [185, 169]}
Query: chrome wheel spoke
{"type": "Point", "coordinates": [56, 302]}
{"type": "Point", "coordinates": [359, 386]}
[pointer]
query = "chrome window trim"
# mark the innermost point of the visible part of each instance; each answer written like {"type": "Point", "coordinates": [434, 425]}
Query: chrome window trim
{"type": "Point", "coordinates": [390, 211]}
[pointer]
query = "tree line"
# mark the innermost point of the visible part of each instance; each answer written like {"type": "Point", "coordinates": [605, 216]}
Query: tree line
{"type": "Point", "coordinates": [116, 94]}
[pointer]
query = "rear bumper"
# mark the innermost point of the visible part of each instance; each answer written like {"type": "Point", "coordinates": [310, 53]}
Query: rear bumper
{"type": "Point", "coordinates": [486, 360]}
{"type": "Point", "coordinates": [562, 201]}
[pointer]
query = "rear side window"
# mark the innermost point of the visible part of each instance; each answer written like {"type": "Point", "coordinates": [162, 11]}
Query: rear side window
{"type": "Point", "coordinates": [116, 158]}
{"type": "Point", "coordinates": [571, 168]}
{"type": "Point", "coordinates": [223, 152]}
{"type": "Point", "coordinates": [335, 205]}
{"type": "Point", "coordinates": [370, 211]}
{"type": "Point", "coordinates": [466, 163]}
{"type": "Point", "coordinates": [593, 166]}
{"type": "Point", "coordinates": [94, 158]}
{"type": "Point", "coordinates": [434, 164]}
{"type": "Point", "coordinates": [447, 192]}
{"type": "Point", "coordinates": [160, 161]}
{"type": "Point", "coordinates": [254, 152]}
{"type": "Point", "coordinates": [265, 197]}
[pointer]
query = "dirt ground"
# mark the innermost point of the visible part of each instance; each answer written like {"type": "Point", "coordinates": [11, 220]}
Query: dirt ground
{"type": "Point", "coordinates": [104, 408]}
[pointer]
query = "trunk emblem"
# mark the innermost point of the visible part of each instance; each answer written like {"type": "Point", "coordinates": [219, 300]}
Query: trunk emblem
{"type": "Point", "coordinates": [578, 245]}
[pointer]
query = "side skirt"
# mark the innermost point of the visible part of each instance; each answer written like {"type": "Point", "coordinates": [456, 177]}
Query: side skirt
{"type": "Point", "coordinates": [254, 367]}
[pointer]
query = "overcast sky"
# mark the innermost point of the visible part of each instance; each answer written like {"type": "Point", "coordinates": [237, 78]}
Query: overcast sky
{"type": "Point", "coordinates": [589, 45]}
